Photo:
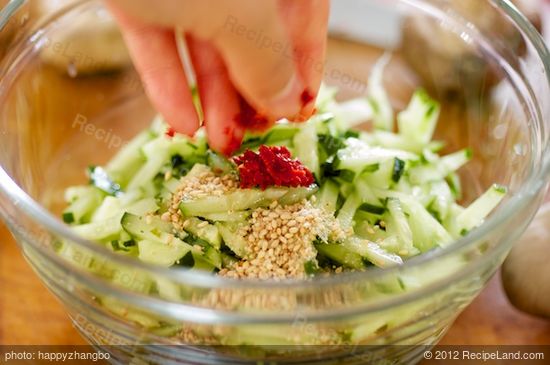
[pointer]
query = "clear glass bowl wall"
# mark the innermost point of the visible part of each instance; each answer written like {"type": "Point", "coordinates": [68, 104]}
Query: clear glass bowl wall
{"type": "Point", "coordinates": [44, 147]}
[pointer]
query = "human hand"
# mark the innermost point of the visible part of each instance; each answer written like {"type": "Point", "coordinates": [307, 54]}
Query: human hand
{"type": "Point", "coordinates": [254, 64]}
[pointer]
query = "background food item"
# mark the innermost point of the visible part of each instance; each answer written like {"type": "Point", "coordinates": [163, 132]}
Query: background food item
{"type": "Point", "coordinates": [444, 61]}
{"type": "Point", "coordinates": [526, 273]}
{"type": "Point", "coordinates": [91, 44]}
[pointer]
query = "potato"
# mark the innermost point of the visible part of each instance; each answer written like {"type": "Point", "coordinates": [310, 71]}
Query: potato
{"type": "Point", "coordinates": [91, 44]}
{"type": "Point", "coordinates": [526, 271]}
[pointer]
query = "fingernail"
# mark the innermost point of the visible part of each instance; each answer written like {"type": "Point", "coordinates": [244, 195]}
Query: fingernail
{"type": "Point", "coordinates": [288, 101]}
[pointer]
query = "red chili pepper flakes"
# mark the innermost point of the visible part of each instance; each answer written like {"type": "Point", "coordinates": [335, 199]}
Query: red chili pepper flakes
{"type": "Point", "coordinates": [271, 166]}
{"type": "Point", "coordinates": [306, 97]}
{"type": "Point", "coordinates": [170, 132]}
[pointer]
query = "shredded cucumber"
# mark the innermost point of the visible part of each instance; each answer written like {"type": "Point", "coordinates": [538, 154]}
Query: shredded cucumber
{"type": "Point", "coordinates": [378, 98]}
{"type": "Point", "coordinates": [392, 194]}
{"type": "Point", "coordinates": [372, 252]}
{"type": "Point", "coordinates": [479, 209]}
{"type": "Point", "coordinates": [417, 123]}
{"type": "Point", "coordinates": [389, 190]}
{"type": "Point", "coordinates": [305, 146]}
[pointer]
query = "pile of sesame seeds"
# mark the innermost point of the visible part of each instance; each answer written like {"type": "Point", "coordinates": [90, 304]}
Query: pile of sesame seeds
{"type": "Point", "coordinates": [279, 238]}
{"type": "Point", "coordinates": [280, 241]}
{"type": "Point", "coordinates": [198, 186]}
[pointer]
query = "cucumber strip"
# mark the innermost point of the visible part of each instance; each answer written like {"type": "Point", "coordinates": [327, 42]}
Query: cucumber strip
{"type": "Point", "coordinates": [398, 170]}
{"type": "Point", "coordinates": [130, 197]}
{"type": "Point", "coordinates": [231, 239]}
{"type": "Point", "coordinates": [327, 196]}
{"type": "Point", "coordinates": [330, 145]}
{"type": "Point", "coordinates": [393, 244]}
{"type": "Point", "coordinates": [100, 230]}
{"type": "Point", "coordinates": [305, 148]}
{"type": "Point", "coordinates": [159, 144]}
{"type": "Point", "coordinates": [162, 254]}
{"type": "Point", "coordinates": [281, 131]}
{"type": "Point", "coordinates": [151, 228]}
{"type": "Point", "coordinates": [129, 159]}
{"type": "Point", "coordinates": [311, 267]}
{"type": "Point", "coordinates": [231, 202]}
{"type": "Point", "coordinates": [357, 155]}
{"type": "Point", "coordinates": [218, 163]}
{"type": "Point", "coordinates": [440, 168]}
{"type": "Point", "coordinates": [425, 173]}
{"type": "Point", "coordinates": [226, 217]}
{"type": "Point", "coordinates": [172, 185]}
{"type": "Point", "coordinates": [200, 263]}
{"type": "Point", "coordinates": [123, 310]}
{"type": "Point", "coordinates": [393, 141]}
{"type": "Point", "coordinates": [352, 113]}
{"type": "Point", "coordinates": [345, 190]}
{"type": "Point", "coordinates": [197, 170]}
{"type": "Point", "coordinates": [427, 231]}
{"type": "Point", "coordinates": [397, 224]}
{"type": "Point", "coordinates": [86, 202]}
{"type": "Point", "coordinates": [110, 207]}
{"type": "Point", "coordinates": [211, 256]}
{"type": "Point", "coordinates": [372, 252]}
{"type": "Point", "coordinates": [205, 231]}
{"type": "Point", "coordinates": [149, 170]}
{"type": "Point", "coordinates": [417, 122]}
{"type": "Point", "coordinates": [347, 212]}
{"type": "Point", "coordinates": [180, 145]}
{"type": "Point", "coordinates": [369, 329]}
{"type": "Point", "coordinates": [442, 199]}
{"type": "Point", "coordinates": [367, 195]}
{"type": "Point", "coordinates": [228, 260]}
{"type": "Point", "coordinates": [168, 289]}
{"type": "Point", "coordinates": [377, 96]}
{"type": "Point", "coordinates": [74, 193]}
{"type": "Point", "coordinates": [134, 280]}
{"type": "Point", "coordinates": [158, 126]}
{"type": "Point", "coordinates": [454, 184]}
{"type": "Point", "coordinates": [380, 178]}
{"type": "Point", "coordinates": [341, 255]}
{"type": "Point", "coordinates": [396, 141]}
{"type": "Point", "coordinates": [366, 227]}
{"type": "Point", "coordinates": [450, 222]}
{"type": "Point", "coordinates": [373, 209]}
{"type": "Point", "coordinates": [143, 207]}
{"type": "Point", "coordinates": [476, 212]}
{"type": "Point", "coordinates": [296, 195]}
{"type": "Point", "coordinates": [454, 161]}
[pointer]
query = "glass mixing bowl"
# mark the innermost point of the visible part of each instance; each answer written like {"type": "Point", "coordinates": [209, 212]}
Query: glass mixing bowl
{"type": "Point", "coordinates": [56, 120]}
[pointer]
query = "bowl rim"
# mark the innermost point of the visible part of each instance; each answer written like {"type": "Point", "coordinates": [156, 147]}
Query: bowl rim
{"type": "Point", "coordinates": [531, 188]}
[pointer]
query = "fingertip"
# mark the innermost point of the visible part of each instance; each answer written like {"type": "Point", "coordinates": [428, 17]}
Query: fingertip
{"type": "Point", "coordinates": [156, 59]}
{"type": "Point", "coordinates": [285, 104]}
{"type": "Point", "coordinates": [181, 122]}
{"type": "Point", "coordinates": [226, 139]}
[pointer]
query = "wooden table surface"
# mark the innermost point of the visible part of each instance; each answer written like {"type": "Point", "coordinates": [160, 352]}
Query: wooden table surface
{"type": "Point", "coordinates": [29, 314]}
